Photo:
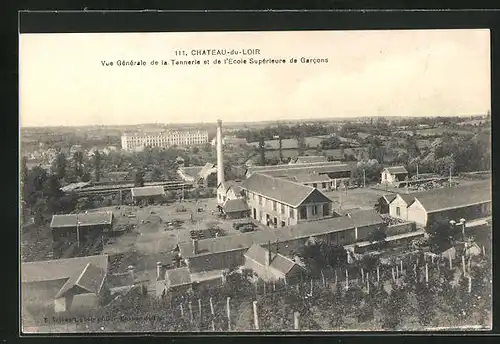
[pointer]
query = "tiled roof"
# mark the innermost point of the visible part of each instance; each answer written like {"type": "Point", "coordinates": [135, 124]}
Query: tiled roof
{"type": "Point", "coordinates": [232, 184]}
{"type": "Point", "coordinates": [408, 198]}
{"type": "Point", "coordinates": [309, 159]}
{"type": "Point", "coordinates": [147, 191]}
{"type": "Point", "coordinates": [455, 197]}
{"type": "Point", "coordinates": [178, 277]}
{"type": "Point", "coordinates": [260, 237]}
{"type": "Point", "coordinates": [282, 190]}
{"type": "Point", "coordinates": [389, 198]}
{"type": "Point", "coordinates": [207, 170]}
{"type": "Point", "coordinates": [364, 218]}
{"type": "Point", "coordinates": [90, 278]}
{"type": "Point", "coordinates": [85, 219]}
{"type": "Point", "coordinates": [278, 261]}
{"type": "Point", "coordinates": [311, 178]}
{"type": "Point", "coordinates": [192, 171]}
{"type": "Point", "coordinates": [396, 169]}
{"type": "Point", "coordinates": [306, 167]}
{"type": "Point", "coordinates": [283, 170]}
{"type": "Point", "coordinates": [234, 205]}
{"type": "Point", "coordinates": [51, 270]}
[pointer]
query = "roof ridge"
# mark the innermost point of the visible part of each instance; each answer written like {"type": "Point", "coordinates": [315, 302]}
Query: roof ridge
{"type": "Point", "coordinates": [63, 259]}
{"type": "Point", "coordinates": [82, 273]}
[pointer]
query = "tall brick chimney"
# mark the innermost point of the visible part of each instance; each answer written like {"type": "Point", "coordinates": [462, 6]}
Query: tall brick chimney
{"type": "Point", "coordinates": [220, 155]}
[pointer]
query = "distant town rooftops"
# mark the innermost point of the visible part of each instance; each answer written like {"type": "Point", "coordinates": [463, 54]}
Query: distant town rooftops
{"type": "Point", "coordinates": [148, 191]}
{"type": "Point", "coordinates": [51, 270]}
{"type": "Point", "coordinates": [82, 219]}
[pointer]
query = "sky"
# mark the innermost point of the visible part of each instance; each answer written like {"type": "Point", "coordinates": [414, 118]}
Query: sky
{"type": "Point", "coordinates": [369, 73]}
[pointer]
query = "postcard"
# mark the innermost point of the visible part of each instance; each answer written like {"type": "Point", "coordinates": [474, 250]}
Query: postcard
{"type": "Point", "coordinates": [258, 181]}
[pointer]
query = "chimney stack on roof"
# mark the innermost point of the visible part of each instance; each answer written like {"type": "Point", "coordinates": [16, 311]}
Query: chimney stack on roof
{"type": "Point", "coordinates": [195, 246]}
{"type": "Point", "coordinates": [220, 156]}
{"type": "Point", "coordinates": [268, 262]}
{"type": "Point", "coordinates": [159, 268]}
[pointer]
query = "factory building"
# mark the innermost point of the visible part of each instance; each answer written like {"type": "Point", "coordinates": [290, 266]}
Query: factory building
{"type": "Point", "coordinates": [278, 202]}
{"type": "Point", "coordinates": [76, 284]}
{"type": "Point", "coordinates": [228, 252]}
{"type": "Point", "coordinates": [81, 227]}
{"type": "Point", "coordinates": [470, 202]}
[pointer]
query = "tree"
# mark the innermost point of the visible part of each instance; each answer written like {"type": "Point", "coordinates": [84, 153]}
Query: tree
{"type": "Point", "coordinates": [138, 178]}
{"type": "Point", "coordinates": [60, 166]}
{"type": "Point", "coordinates": [392, 308]}
{"type": "Point", "coordinates": [441, 234]}
{"type": "Point", "coordinates": [377, 237]}
{"type": "Point", "coordinates": [332, 142]}
{"type": "Point", "coordinates": [425, 303]}
{"type": "Point", "coordinates": [156, 174]}
{"type": "Point", "coordinates": [97, 165]}
{"type": "Point", "coordinates": [78, 164]}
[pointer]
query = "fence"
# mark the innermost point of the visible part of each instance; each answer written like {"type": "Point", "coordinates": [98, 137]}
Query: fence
{"type": "Point", "coordinates": [219, 311]}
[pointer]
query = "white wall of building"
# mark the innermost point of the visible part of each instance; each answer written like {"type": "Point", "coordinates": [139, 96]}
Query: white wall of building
{"type": "Point", "coordinates": [398, 208]}
{"type": "Point", "coordinates": [137, 141]}
{"type": "Point", "coordinates": [417, 214]}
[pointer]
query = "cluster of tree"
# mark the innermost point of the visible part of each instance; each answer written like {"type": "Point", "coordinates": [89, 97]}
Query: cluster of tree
{"type": "Point", "coordinates": [442, 235]}
{"type": "Point", "coordinates": [42, 196]}
{"type": "Point", "coordinates": [434, 121]}
{"type": "Point", "coordinates": [285, 131]}
{"type": "Point", "coordinates": [319, 254]}
{"type": "Point", "coordinates": [380, 126]}
{"type": "Point", "coordinates": [333, 142]}
{"type": "Point", "coordinates": [366, 171]}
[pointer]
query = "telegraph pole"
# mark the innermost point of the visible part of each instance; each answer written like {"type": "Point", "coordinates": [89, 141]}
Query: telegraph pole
{"type": "Point", "coordinates": [77, 231]}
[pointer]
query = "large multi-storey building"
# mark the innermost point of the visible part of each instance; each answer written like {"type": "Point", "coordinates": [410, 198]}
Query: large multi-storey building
{"type": "Point", "coordinates": [140, 140]}
{"type": "Point", "coordinates": [279, 202]}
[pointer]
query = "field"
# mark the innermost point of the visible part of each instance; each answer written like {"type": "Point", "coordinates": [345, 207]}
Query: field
{"type": "Point", "coordinates": [441, 131]}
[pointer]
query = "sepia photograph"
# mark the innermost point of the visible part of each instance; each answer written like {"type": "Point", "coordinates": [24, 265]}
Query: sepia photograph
{"type": "Point", "coordinates": [255, 181]}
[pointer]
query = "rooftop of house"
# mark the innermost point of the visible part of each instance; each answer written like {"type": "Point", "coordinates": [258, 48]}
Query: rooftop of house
{"type": "Point", "coordinates": [281, 190]}
{"type": "Point", "coordinates": [260, 237]}
{"type": "Point", "coordinates": [235, 205]}
{"type": "Point", "coordinates": [278, 261]}
{"type": "Point", "coordinates": [206, 170]}
{"type": "Point", "coordinates": [321, 167]}
{"type": "Point", "coordinates": [389, 197]}
{"type": "Point", "coordinates": [177, 277]}
{"type": "Point", "coordinates": [232, 184]}
{"type": "Point", "coordinates": [147, 191]}
{"type": "Point", "coordinates": [83, 219]}
{"type": "Point", "coordinates": [311, 178]}
{"type": "Point", "coordinates": [192, 171]}
{"type": "Point", "coordinates": [90, 279]}
{"type": "Point", "coordinates": [308, 159]}
{"type": "Point", "coordinates": [52, 270]}
{"type": "Point", "coordinates": [454, 197]}
{"type": "Point", "coordinates": [396, 170]}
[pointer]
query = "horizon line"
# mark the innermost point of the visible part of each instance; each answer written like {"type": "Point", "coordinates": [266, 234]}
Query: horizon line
{"type": "Point", "coordinates": [324, 119]}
